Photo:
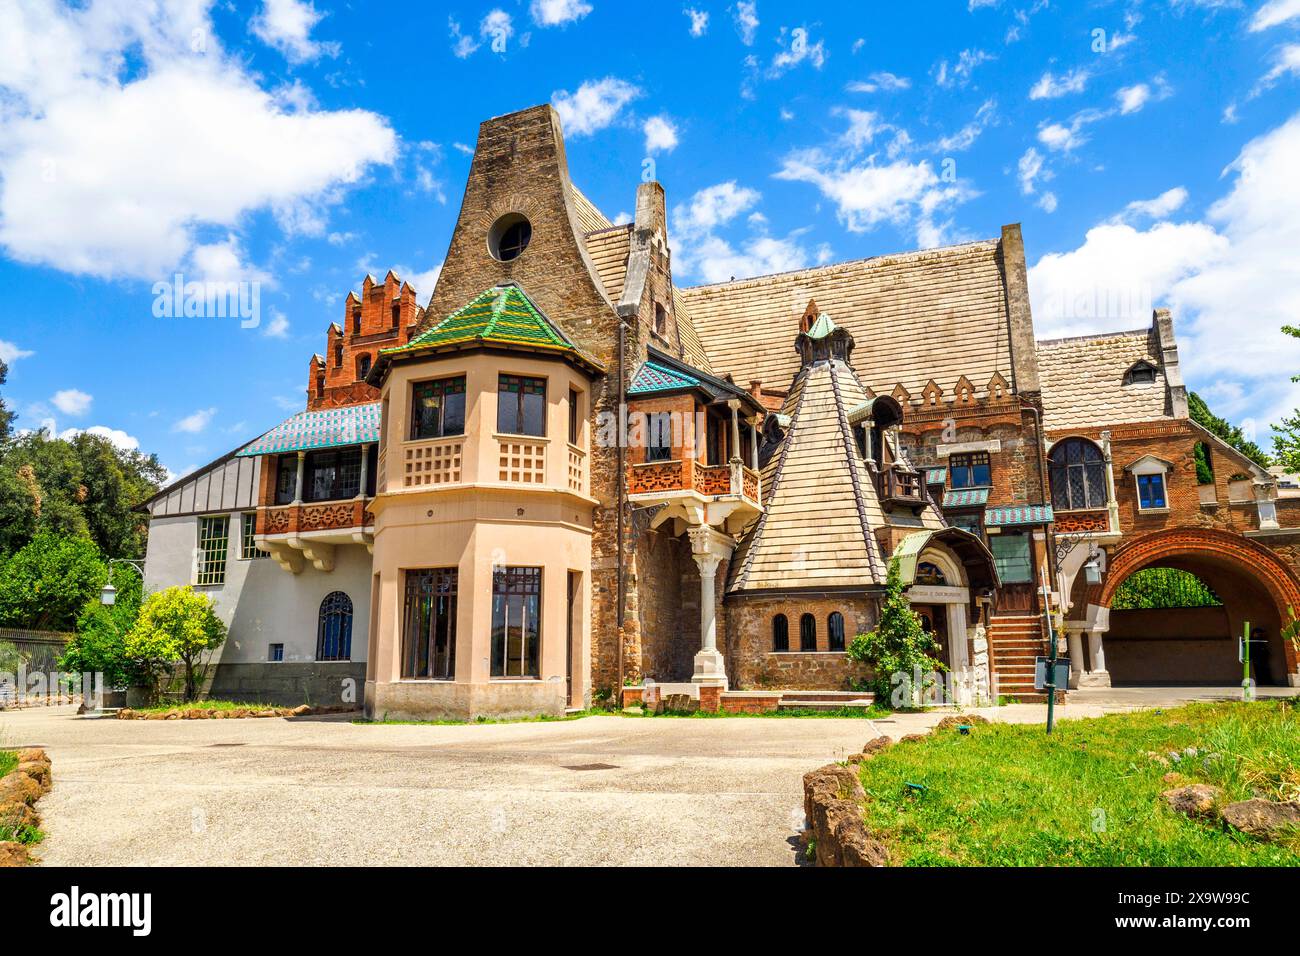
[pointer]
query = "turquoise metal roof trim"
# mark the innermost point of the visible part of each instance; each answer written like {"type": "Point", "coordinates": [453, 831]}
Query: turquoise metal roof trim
{"type": "Point", "coordinates": [966, 498]}
{"type": "Point", "coordinates": [1018, 514]}
{"type": "Point", "coordinates": [325, 428]}
{"type": "Point", "coordinates": [653, 377]}
{"type": "Point", "coordinates": [936, 476]}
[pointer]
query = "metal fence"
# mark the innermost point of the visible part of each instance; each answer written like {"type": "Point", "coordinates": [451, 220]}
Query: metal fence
{"type": "Point", "coordinates": [30, 652]}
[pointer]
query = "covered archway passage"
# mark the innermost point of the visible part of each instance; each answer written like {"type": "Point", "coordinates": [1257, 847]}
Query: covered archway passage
{"type": "Point", "coordinates": [1198, 645]}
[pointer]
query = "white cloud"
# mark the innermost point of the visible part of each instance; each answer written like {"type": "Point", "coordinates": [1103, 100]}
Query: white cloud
{"type": "Point", "coordinates": [959, 73]}
{"type": "Point", "coordinates": [699, 21]}
{"type": "Point", "coordinates": [1286, 62]}
{"type": "Point", "coordinates": [1231, 280]}
{"type": "Point", "coordinates": [800, 49]}
{"type": "Point", "coordinates": [286, 26]}
{"type": "Point", "coordinates": [660, 135]}
{"type": "Point", "coordinates": [1273, 13]}
{"type": "Point", "coordinates": [1030, 169]}
{"type": "Point", "coordinates": [1169, 201]}
{"type": "Point", "coordinates": [10, 353]}
{"type": "Point", "coordinates": [745, 15]}
{"type": "Point", "coordinates": [278, 327]}
{"type": "Point", "coordinates": [464, 44]}
{"type": "Point", "coordinates": [95, 183]}
{"type": "Point", "coordinates": [195, 422]}
{"type": "Point", "coordinates": [549, 13]}
{"type": "Point", "coordinates": [497, 28]}
{"type": "Point", "coordinates": [72, 401]}
{"type": "Point", "coordinates": [1055, 136]}
{"type": "Point", "coordinates": [883, 81]}
{"type": "Point", "coordinates": [1050, 86]}
{"type": "Point", "coordinates": [718, 261]}
{"type": "Point", "coordinates": [1133, 98]}
{"type": "Point", "coordinates": [965, 137]}
{"type": "Point", "coordinates": [712, 207]}
{"type": "Point", "coordinates": [119, 438]}
{"type": "Point", "coordinates": [595, 105]}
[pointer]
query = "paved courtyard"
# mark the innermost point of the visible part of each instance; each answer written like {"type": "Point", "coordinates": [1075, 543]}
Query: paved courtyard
{"type": "Point", "coordinates": [325, 791]}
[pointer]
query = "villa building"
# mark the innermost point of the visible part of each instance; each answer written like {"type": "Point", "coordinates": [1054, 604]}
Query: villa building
{"type": "Point", "coordinates": [565, 474]}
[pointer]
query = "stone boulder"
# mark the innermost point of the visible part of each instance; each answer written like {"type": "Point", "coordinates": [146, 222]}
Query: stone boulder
{"type": "Point", "coordinates": [17, 815]}
{"type": "Point", "coordinates": [38, 770]}
{"type": "Point", "coordinates": [17, 787]}
{"type": "Point", "coordinates": [1262, 818]}
{"type": "Point", "coordinates": [1197, 800]}
{"type": "Point", "coordinates": [956, 720]}
{"type": "Point", "coordinates": [833, 801]}
{"type": "Point", "coordinates": [302, 710]}
{"type": "Point", "coordinates": [913, 739]}
{"type": "Point", "coordinates": [877, 744]}
{"type": "Point", "coordinates": [13, 854]}
{"type": "Point", "coordinates": [32, 754]}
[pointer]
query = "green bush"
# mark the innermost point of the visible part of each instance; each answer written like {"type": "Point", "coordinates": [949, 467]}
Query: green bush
{"type": "Point", "coordinates": [99, 646]}
{"type": "Point", "coordinates": [175, 626]}
{"type": "Point", "coordinates": [898, 645]}
{"type": "Point", "coordinates": [45, 584]}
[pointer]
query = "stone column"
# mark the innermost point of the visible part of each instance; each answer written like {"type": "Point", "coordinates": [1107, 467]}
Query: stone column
{"type": "Point", "coordinates": [297, 486]}
{"type": "Point", "coordinates": [365, 460]}
{"type": "Point", "coordinates": [734, 405]}
{"type": "Point", "coordinates": [1075, 640]}
{"type": "Point", "coordinates": [708, 548]}
{"type": "Point", "coordinates": [1098, 676]}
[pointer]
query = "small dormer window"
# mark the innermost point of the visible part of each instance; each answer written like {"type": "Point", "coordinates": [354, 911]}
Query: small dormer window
{"type": "Point", "coordinates": [1142, 373]}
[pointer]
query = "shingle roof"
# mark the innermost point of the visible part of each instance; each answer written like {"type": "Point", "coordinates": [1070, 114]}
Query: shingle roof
{"type": "Point", "coordinates": [935, 314]}
{"type": "Point", "coordinates": [656, 377]}
{"type": "Point", "coordinates": [1082, 379]}
{"type": "Point", "coordinates": [1018, 514]}
{"type": "Point", "coordinates": [325, 428]}
{"type": "Point", "coordinates": [966, 498]}
{"type": "Point", "coordinates": [817, 482]}
{"type": "Point", "coordinates": [503, 316]}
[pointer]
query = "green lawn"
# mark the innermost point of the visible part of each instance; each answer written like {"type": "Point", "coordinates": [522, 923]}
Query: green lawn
{"type": "Point", "coordinates": [8, 760]}
{"type": "Point", "coordinates": [205, 705]}
{"type": "Point", "coordinates": [1089, 795]}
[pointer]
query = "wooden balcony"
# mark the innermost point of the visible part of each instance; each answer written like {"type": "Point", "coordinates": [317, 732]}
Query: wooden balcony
{"type": "Point", "coordinates": [900, 487]}
{"type": "Point", "coordinates": [694, 493]}
{"type": "Point", "coordinates": [312, 530]}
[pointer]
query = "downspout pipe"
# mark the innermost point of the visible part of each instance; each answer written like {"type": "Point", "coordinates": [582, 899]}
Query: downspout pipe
{"type": "Point", "coordinates": [621, 434]}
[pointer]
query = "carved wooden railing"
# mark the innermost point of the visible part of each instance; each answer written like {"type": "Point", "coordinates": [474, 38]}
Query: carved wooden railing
{"type": "Point", "coordinates": [898, 485]}
{"type": "Point", "coordinates": [316, 516]}
{"type": "Point", "coordinates": [712, 480]}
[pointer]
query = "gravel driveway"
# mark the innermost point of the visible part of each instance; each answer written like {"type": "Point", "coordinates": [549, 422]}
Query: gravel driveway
{"type": "Point", "coordinates": [325, 791]}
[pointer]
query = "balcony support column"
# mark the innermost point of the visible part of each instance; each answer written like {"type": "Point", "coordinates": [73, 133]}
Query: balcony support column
{"type": "Point", "coordinates": [297, 484]}
{"type": "Point", "coordinates": [709, 548]}
{"type": "Point", "coordinates": [365, 462]}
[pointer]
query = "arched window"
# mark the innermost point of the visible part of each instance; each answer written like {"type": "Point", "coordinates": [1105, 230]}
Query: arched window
{"type": "Point", "coordinates": [363, 367]}
{"type": "Point", "coordinates": [927, 573]}
{"type": "Point", "coordinates": [1078, 474]}
{"type": "Point", "coordinates": [1140, 374]}
{"type": "Point", "coordinates": [835, 631]}
{"type": "Point", "coordinates": [807, 633]}
{"type": "Point", "coordinates": [334, 630]}
{"type": "Point", "coordinates": [780, 633]}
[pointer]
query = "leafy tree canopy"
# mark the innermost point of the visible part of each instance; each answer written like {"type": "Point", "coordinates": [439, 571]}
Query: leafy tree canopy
{"type": "Point", "coordinates": [176, 626]}
{"type": "Point", "coordinates": [46, 583]}
{"type": "Point", "coordinates": [1222, 428]}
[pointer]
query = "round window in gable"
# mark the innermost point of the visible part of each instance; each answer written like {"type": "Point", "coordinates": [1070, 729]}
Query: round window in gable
{"type": "Point", "coordinates": [509, 236]}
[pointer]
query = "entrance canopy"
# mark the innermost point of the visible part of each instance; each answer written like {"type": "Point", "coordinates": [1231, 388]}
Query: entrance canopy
{"type": "Point", "coordinates": [974, 555]}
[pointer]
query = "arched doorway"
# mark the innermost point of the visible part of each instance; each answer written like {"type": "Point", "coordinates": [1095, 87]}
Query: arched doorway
{"type": "Point", "coordinates": [1198, 644]}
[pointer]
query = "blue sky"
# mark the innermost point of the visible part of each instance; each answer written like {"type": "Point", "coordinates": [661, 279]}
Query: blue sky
{"type": "Point", "coordinates": [1149, 147]}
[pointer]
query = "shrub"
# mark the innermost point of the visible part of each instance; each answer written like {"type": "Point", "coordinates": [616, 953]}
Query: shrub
{"type": "Point", "coordinates": [898, 645]}
{"type": "Point", "coordinates": [99, 646]}
{"type": "Point", "coordinates": [44, 585]}
{"type": "Point", "coordinates": [175, 626]}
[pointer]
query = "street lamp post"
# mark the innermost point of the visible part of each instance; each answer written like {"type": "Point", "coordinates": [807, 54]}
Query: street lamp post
{"type": "Point", "coordinates": [108, 593]}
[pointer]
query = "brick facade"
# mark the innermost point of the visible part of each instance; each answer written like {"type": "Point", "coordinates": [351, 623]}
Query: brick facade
{"type": "Point", "coordinates": [754, 665]}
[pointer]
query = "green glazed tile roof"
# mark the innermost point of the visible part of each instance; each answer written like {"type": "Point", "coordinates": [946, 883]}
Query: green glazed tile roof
{"type": "Point", "coordinates": [503, 315]}
{"type": "Point", "coordinates": [326, 428]}
{"type": "Point", "coordinates": [966, 498]}
{"type": "Point", "coordinates": [1018, 514]}
{"type": "Point", "coordinates": [654, 377]}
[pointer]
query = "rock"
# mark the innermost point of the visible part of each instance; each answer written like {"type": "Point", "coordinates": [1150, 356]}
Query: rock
{"type": "Point", "coordinates": [302, 710]}
{"type": "Point", "coordinates": [157, 715]}
{"type": "Point", "coordinates": [38, 770]}
{"type": "Point", "coordinates": [832, 782]}
{"type": "Point", "coordinates": [30, 754]}
{"type": "Point", "coordinates": [238, 713]}
{"type": "Point", "coordinates": [17, 787]}
{"type": "Point", "coordinates": [126, 713]}
{"type": "Point", "coordinates": [1262, 818]}
{"type": "Point", "coordinates": [956, 720]}
{"type": "Point", "coordinates": [857, 848]}
{"type": "Point", "coordinates": [876, 744]}
{"type": "Point", "coordinates": [912, 739]}
{"type": "Point", "coordinates": [17, 815]}
{"type": "Point", "coordinates": [171, 715]}
{"type": "Point", "coordinates": [13, 854]}
{"type": "Point", "coordinates": [1196, 800]}
{"type": "Point", "coordinates": [266, 713]}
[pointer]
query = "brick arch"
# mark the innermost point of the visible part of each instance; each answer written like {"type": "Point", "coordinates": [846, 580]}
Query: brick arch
{"type": "Point", "coordinates": [1254, 561]}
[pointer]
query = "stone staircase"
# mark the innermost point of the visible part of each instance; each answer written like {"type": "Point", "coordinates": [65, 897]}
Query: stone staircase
{"type": "Point", "coordinates": [1015, 640]}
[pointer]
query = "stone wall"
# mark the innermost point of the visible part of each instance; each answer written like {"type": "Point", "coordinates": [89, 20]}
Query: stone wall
{"type": "Point", "coordinates": [753, 664]}
{"type": "Point", "coordinates": [286, 684]}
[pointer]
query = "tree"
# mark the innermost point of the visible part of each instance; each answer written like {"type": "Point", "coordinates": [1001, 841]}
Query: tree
{"type": "Point", "coordinates": [1200, 413]}
{"type": "Point", "coordinates": [46, 584]}
{"type": "Point", "coordinates": [99, 646]}
{"type": "Point", "coordinates": [175, 626]}
{"type": "Point", "coordinates": [1286, 435]}
{"type": "Point", "coordinates": [898, 645]}
{"type": "Point", "coordinates": [6, 417]}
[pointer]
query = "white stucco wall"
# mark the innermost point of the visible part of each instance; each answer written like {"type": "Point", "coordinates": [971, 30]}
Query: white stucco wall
{"type": "Point", "coordinates": [261, 603]}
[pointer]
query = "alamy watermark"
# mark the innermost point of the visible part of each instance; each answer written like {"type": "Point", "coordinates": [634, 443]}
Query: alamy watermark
{"type": "Point", "coordinates": [177, 298]}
